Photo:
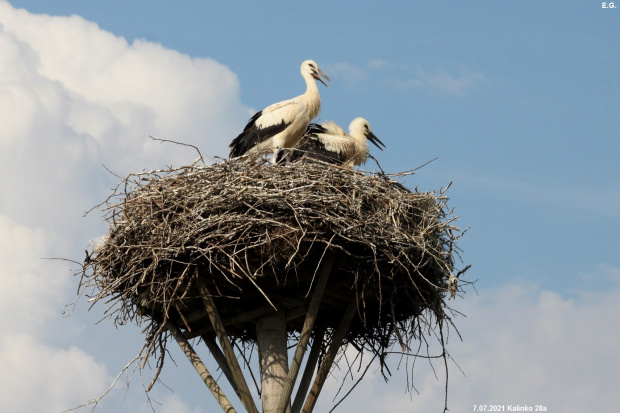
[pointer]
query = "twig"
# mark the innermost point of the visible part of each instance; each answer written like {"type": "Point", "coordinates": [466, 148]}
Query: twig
{"type": "Point", "coordinates": [182, 144]}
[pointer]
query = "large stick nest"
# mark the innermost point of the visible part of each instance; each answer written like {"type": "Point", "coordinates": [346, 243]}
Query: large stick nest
{"type": "Point", "coordinates": [255, 233]}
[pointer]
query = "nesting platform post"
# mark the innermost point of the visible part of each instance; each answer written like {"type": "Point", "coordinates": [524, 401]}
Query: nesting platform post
{"type": "Point", "coordinates": [277, 379]}
{"type": "Point", "coordinates": [273, 358]}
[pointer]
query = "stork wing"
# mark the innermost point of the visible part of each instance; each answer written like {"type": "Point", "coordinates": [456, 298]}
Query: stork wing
{"type": "Point", "coordinates": [314, 128]}
{"type": "Point", "coordinates": [277, 113]}
{"type": "Point", "coordinates": [331, 128]}
{"type": "Point", "coordinates": [316, 146]}
{"type": "Point", "coordinates": [263, 125]}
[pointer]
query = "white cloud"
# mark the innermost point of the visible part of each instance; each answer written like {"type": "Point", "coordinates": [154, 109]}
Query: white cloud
{"type": "Point", "coordinates": [377, 64]}
{"type": "Point", "coordinates": [571, 197]}
{"type": "Point", "coordinates": [29, 294]}
{"type": "Point", "coordinates": [442, 81]}
{"type": "Point", "coordinates": [346, 72]}
{"type": "Point", "coordinates": [174, 404]}
{"type": "Point", "coordinates": [73, 97]}
{"type": "Point", "coordinates": [37, 378]}
{"type": "Point", "coordinates": [458, 81]}
{"type": "Point", "coordinates": [521, 346]}
{"type": "Point", "coordinates": [141, 88]}
{"type": "Point", "coordinates": [459, 84]}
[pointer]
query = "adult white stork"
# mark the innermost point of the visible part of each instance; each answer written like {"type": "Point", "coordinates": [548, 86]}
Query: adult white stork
{"type": "Point", "coordinates": [330, 143]}
{"type": "Point", "coordinates": [282, 124]}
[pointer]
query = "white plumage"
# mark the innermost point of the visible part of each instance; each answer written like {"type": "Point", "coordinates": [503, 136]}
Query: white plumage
{"type": "Point", "coordinates": [282, 124]}
{"type": "Point", "coordinates": [330, 143]}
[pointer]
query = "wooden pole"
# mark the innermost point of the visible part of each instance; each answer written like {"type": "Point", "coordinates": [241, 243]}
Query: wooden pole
{"type": "Point", "coordinates": [328, 360]}
{"type": "Point", "coordinates": [273, 358]}
{"type": "Point", "coordinates": [220, 331]}
{"type": "Point", "coordinates": [306, 378]}
{"type": "Point", "coordinates": [202, 370]}
{"type": "Point", "coordinates": [220, 358]}
{"type": "Point", "coordinates": [306, 331]}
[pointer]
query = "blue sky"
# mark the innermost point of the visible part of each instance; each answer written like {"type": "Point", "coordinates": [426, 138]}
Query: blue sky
{"type": "Point", "coordinates": [518, 101]}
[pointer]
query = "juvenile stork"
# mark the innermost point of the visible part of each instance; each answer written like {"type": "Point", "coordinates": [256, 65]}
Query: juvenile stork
{"type": "Point", "coordinates": [328, 142]}
{"type": "Point", "coordinates": [282, 124]}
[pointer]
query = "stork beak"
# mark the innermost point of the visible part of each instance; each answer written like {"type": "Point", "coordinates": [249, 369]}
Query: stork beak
{"type": "Point", "coordinates": [376, 141]}
{"type": "Point", "coordinates": [318, 72]}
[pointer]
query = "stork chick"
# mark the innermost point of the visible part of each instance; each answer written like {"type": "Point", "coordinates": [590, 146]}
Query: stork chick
{"type": "Point", "coordinates": [328, 142]}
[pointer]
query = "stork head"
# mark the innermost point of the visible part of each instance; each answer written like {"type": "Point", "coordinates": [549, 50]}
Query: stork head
{"type": "Point", "coordinates": [360, 126]}
{"type": "Point", "coordinates": [309, 67]}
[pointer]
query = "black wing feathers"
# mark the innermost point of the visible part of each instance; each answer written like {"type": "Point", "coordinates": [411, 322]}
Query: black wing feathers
{"type": "Point", "coordinates": [252, 135]}
{"type": "Point", "coordinates": [311, 147]}
{"type": "Point", "coordinates": [314, 129]}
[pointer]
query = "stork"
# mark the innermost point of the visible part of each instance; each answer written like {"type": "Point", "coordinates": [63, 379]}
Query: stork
{"type": "Point", "coordinates": [282, 124]}
{"type": "Point", "coordinates": [328, 142]}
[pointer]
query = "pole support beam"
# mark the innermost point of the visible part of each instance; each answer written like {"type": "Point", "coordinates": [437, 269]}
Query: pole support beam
{"type": "Point", "coordinates": [323, 275]}
{"type": "Point", "coordinates": [220, 331]}
{"type": "Point", "coordinates": [313, 358]}
{"type": "Point", "coordinates": [330, 356]}
{"type": "Point", "coordinates": [201, 369]}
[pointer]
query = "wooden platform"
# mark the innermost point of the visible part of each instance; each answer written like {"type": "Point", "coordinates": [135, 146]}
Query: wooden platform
{"type": "Point", "coordinates": [242, 301]}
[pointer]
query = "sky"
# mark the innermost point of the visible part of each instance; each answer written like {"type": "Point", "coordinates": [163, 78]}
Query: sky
{"type": "Point", "coordinates": [518, 101]}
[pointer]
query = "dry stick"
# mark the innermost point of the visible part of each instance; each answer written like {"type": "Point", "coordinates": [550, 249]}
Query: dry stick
{"type": "Point", "coordinates": [396, 329]}
{"type": "Point", "coordinates": [304, 336]}
{"type": "Point", "coordinates": [328, 360]}
{"type": "Point", "coordinates": [313, 358]}
{"type": "Point", "coordinates": [220, 358]}
{"type": "Point", "coordinates": [201, 368]}
{"type": "Point", "coordinates": [220, 331]}
{"type": "Point", "coordinates": [247, 363]}
{"type": "Point", "coordinates": [355, 385]}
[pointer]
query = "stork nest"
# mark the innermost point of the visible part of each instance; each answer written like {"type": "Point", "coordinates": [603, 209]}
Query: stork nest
{"type": "Point", "coordinates": [255, 233]}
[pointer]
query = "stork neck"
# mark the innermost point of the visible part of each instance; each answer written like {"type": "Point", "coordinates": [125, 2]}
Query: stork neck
{"type": "Point", "coordinates": [312, 96]}
{"type": "Point", "coordinates": [361, 142]}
